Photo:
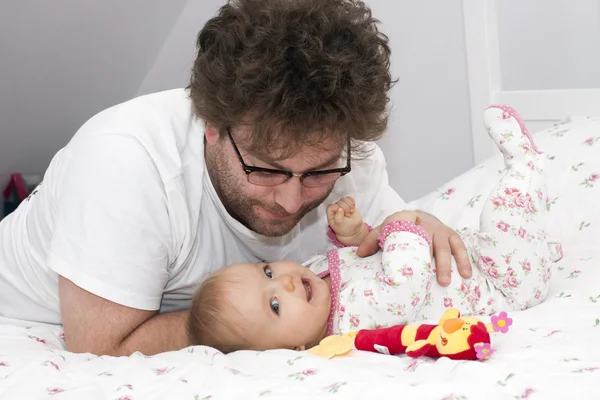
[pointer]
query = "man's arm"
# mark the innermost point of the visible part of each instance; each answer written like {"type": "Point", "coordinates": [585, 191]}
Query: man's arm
{"type": "Point", "coordinates": [98, 326]}
{"type": "Point", "coordinates": [111, 248]}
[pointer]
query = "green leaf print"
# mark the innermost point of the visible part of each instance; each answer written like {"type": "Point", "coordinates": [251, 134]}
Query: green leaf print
{"type": "Point", "coordinates": [334, 388]}
{"type": "Point", "coordinates": [575, 168]}
{"type": "Point", "coordinates": [266, 392]}
{"type": "Point", "coordinates": [503, 382]}
{"type": "Point", "coordinates": [445, 195]}
{"type": "Point", "coordinates": [589, 181]}
{"type": "Point", "coordinates": [375, 325]}
{"type": "Point", "coordinates": [563, 295]}
{"type": "Point", "coordinates": [594, 299]}
{"type": "Point", "coordinates": [297, 376]}
{"type": "Point", "coordinates": [597, 324]}
{"type": "Point", "coordinates": [474, 200]}
{"type": "Point", "coordinates": [583, 224]}
{"type": "Point", "coordinates": [550, 203]}
{"type": "Point", "coordinates": [293, 361]}
{"type": "Point", "coordinates": [574, 274]}
{"type": "Point", "coordinates": [560, 133]}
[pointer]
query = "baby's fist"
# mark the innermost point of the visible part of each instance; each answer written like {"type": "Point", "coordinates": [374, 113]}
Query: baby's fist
{"type": "Point", "coordinates": [344, 218]}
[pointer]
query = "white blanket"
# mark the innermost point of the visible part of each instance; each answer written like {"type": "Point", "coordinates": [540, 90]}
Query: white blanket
{"type": "Point", "coordinates": [550, 352]}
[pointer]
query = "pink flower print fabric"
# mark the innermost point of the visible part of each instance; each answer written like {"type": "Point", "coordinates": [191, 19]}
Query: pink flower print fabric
{"type": "Point", "coordinates": [510, 253]}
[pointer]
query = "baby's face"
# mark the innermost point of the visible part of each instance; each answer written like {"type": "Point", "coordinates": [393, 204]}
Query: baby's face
{"type": "Point", "coordinates": [283, 304]}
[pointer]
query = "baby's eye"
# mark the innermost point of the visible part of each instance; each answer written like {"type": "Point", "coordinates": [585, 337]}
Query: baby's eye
{"type": "Point", "coordinates": [268, 272]}
{"type": "Point", "coordinates": [275, 306]}
{"type": "Point", "coordinates": [464, 329]}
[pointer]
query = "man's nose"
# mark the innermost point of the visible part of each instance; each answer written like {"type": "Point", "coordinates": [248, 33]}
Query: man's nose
{"type": "Point", "coordinates": [289, 195]}
{"type": "Point", "coordinates": [287, 282]}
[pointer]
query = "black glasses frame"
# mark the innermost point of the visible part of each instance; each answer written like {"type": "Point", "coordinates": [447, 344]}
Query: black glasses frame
{"type": "Point", "coordinates": [248, 169]}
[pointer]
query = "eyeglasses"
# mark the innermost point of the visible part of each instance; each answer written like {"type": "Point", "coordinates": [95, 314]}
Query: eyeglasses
{"type": "Point", "coordinates": [273, 177]}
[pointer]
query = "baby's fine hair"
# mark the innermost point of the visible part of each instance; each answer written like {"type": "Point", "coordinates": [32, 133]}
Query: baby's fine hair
{"type": "Point", "coordinates": [208, 322]}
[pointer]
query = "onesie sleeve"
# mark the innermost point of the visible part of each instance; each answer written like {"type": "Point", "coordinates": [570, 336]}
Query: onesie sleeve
{"type": "Point", "coordinates": [387, 288]}
{"type": "Point", "coordinates": [406, 267]}
{"type": "Point", "coordinates": [112, 230]}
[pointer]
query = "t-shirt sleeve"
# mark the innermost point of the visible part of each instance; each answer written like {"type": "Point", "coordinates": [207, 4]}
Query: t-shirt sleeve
{"type": "Point", "coordinates": [376, 199]}
{"type": "Point", "coordinates": [112, 232]}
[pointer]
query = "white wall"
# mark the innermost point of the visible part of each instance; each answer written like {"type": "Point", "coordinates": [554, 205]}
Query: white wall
{"type": "Point", "coordinates": [561, 50]}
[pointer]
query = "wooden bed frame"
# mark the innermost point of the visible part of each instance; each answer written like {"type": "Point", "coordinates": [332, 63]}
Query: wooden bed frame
{"type": "Point", "coordinates": [539, 108]}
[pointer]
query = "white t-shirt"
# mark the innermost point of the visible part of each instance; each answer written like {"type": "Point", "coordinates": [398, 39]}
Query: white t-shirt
{"type": "Point", "coordinates": [127, 211]}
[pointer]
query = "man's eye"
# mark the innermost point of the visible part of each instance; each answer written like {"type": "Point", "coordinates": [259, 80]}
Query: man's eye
{"type": "Point", "coordinates": [275, 306]}
{"type": "Point", "coordinates": [268, 272]}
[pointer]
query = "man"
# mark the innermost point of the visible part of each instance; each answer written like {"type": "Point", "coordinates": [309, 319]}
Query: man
{"type": "Point", "coordinates": [285, 101]}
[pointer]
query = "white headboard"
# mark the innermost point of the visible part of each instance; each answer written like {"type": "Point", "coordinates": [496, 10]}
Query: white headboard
{"type": "Point", "coordinates": [539, 108]}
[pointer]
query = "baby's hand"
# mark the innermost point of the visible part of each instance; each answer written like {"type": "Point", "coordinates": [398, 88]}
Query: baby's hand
{"type": "Point", "coordinates": [345, 220]}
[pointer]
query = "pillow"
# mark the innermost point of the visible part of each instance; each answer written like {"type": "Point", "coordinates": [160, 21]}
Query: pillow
{"type": "Point", "coordinates": [573, 183]}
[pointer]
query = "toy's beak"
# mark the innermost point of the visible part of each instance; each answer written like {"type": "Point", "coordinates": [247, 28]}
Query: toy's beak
{"type": "Point", "coordinates": [452, 325]}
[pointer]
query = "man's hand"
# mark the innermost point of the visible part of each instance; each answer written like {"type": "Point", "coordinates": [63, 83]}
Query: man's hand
{"type": "Point", "coordinates": [98, 326]}
{"type": "Point", "coordinates": [445, 244]}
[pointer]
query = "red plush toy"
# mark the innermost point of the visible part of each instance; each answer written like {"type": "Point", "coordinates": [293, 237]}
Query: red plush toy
{"type": "Point", "coordinates": [455, 337]}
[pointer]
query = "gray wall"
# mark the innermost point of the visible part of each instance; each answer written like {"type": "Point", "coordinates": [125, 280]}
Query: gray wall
{"type": "Point", "coordinates": [429, 140]}
{"type": "Point", "coordinates": [560, 50]}
{"type": "Point", "coordinates": [63, 61]}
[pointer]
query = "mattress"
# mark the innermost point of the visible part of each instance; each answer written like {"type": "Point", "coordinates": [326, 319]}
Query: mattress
{"type": "Point", "coordinates": [550, 351]}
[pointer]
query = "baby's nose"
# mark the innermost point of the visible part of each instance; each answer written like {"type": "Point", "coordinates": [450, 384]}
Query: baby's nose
{"type": "Point", "coordinates": [287, 282]}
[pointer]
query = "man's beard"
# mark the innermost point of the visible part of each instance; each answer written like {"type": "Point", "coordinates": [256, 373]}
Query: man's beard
{"type": "Point", "coordinates": [242, 207]}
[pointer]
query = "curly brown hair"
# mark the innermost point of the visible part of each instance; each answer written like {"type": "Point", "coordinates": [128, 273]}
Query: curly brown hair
{"type": "Point", "coordinates": [296, 71]}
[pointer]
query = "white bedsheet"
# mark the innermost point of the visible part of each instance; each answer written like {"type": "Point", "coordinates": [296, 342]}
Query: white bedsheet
{"type": "Point", "coordinates": [551, 352]}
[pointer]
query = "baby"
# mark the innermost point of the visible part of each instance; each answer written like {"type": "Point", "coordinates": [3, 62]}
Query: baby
{"type": "Point", "coordinates": [286, 305]}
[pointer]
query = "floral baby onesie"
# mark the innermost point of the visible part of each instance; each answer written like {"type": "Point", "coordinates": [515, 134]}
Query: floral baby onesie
{"type": "Point", "coordinates": [510, 252]}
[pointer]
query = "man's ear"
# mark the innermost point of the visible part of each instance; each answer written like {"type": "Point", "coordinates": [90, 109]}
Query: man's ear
{"type": "Point", "coordinates": [300, 348]}
{"type": "Point", "coordinates": [211, 133]}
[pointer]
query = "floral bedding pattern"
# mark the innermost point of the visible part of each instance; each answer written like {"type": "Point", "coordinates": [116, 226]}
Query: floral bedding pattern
{"type": "Point", "coordinates": [550, 351]}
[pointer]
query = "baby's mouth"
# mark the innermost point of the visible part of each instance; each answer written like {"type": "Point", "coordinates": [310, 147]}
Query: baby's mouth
{"type": "Point", "coordinates": [307, 289]}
